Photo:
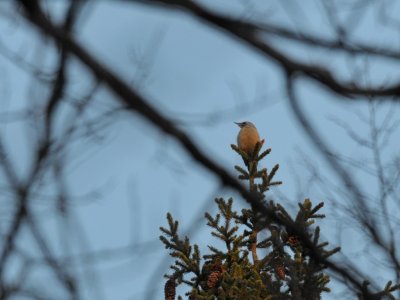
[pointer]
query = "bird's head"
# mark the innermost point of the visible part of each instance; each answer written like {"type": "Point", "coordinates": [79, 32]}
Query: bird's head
{"type": "Point", "coordinates": [244, 124]}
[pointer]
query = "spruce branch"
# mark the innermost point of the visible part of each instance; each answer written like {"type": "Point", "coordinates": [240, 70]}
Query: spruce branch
{"type": "Point", "coordinates": [242, 171]}
{"type": "Point", "coordinates": [264, 154]}
{"type": "Point", "coordinates": [187, 256]}
{"type": "Point", "coordinates": [273, 172]}
{"type": "Point", "coordinates": [385, 293]}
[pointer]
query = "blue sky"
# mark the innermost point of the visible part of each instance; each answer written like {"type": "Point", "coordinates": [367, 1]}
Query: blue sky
{"type": "Point", "coordinates": [124, 182]}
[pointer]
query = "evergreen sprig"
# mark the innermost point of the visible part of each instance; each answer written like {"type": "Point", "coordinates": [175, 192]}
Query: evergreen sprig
{"type": "Point", "coordinates": [187, 256]}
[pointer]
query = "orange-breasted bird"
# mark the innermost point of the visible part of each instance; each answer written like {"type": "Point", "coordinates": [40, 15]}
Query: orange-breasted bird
{"type": "Point", "coordinates": [247, 137]}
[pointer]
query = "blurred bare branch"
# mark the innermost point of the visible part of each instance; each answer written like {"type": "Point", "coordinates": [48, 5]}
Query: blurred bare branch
{"type": "Point", "coordinates": [135, 102]}
{"type": "Point", "coordinates": [252, 34]}
{"type": "Point", "coordinates": [62, 117]}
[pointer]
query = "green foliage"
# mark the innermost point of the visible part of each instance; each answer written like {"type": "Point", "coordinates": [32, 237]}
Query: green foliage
{"type": "Point", "coordinates": [260, 258]}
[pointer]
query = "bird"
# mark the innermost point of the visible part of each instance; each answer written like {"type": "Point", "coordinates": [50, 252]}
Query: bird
{"type": "Point", "coordinates": [247, 137]}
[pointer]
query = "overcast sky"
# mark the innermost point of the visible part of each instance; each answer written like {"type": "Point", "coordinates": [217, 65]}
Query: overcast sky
{"type": "Point", "coordinates": [202, 79]}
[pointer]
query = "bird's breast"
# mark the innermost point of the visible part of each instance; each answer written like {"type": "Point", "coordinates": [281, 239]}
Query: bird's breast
{"type": "Point", "coordinates": [247, 139]}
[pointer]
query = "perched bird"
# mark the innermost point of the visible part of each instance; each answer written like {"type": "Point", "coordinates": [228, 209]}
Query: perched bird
{"type": "Point", "coordinates": [247, 137]}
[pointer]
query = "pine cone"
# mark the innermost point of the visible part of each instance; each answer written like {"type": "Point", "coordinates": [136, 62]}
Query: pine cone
{"type": "Point", "coordinates": [215, 276]}
{"type": "Point", "coordinates": [213, 279]}
{"type": "Point", "coordinates": [280, 271]}
{"type": "Point", "coordinates": [169, 289]}
{"type": "Point", "coordinates": [293, 240]}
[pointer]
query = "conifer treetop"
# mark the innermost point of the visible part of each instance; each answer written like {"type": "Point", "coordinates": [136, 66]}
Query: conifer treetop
{"type": "Point", "coordinates": [261, 257]}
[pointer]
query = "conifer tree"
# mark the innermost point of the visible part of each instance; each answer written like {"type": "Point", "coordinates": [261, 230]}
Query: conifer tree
{"type": "Point", "coordinates": [261, 259]}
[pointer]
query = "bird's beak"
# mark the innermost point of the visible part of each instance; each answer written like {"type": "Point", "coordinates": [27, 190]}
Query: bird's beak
{"type": "Point", "coordinates": [238, 124]}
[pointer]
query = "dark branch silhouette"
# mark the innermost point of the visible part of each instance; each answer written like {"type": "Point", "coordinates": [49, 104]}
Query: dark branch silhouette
{"type": "Point", "coordinates": [49, 150]}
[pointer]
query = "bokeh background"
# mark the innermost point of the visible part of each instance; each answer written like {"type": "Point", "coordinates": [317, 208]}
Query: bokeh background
{"type": "Point", "coordinates": [119, 175]}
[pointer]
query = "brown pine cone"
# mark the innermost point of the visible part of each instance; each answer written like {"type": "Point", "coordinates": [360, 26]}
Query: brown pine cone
{"type": "Point", "coordinates": [293, 240]}
{"type": "Point", "coordinates": [169, 289]}
{"type": "Point", "coordinates": [280, 271]}
{"type": "Point", "coordinates": [213, 279]}
{"type": "Point", "coordinates": [215, 276]}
